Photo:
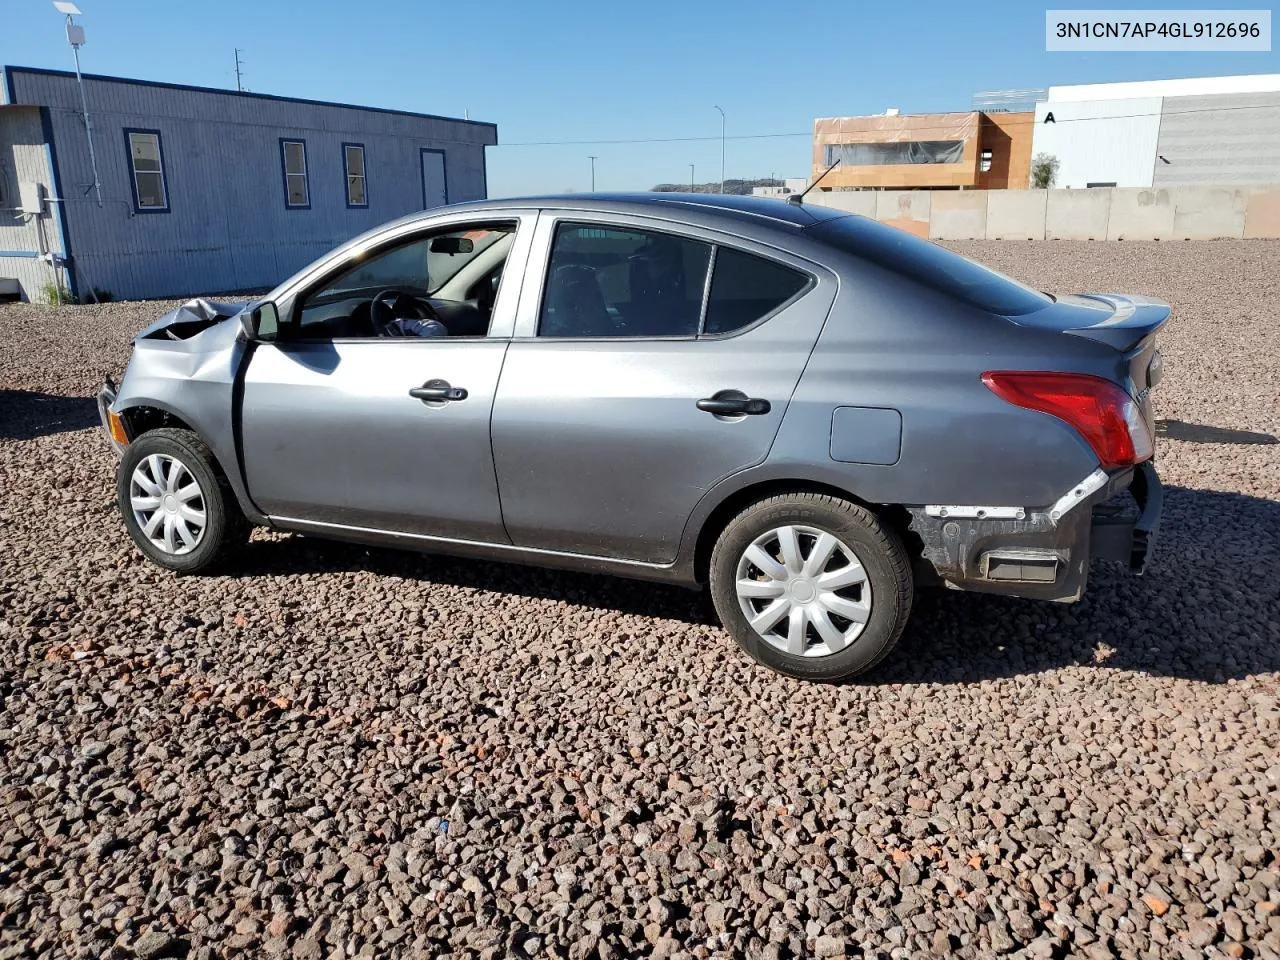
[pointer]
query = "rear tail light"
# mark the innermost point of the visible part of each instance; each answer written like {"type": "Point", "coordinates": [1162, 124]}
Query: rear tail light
{"type": "Point", "coordinates": [1100, 411]}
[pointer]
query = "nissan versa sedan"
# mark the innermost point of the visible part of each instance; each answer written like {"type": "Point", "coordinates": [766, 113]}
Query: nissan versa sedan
{"type": "Point", "coordinates": [810, 412]}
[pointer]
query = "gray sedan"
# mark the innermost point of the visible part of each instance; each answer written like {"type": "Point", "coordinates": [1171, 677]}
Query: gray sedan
{"type": "Point", "coordinates": [811, 412]}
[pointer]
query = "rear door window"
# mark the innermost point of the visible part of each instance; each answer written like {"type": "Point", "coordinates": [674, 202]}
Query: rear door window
{"type": "Point", "coordinates": [606, 281]}
{"type": "Point", "coordinates": [746, 288]}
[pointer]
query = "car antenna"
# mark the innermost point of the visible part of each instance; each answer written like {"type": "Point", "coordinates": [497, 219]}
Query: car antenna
{"type": "Point", "coordinates": [798, 198]}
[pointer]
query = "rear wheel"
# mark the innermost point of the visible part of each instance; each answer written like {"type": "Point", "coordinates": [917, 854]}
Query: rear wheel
{"type": "Point", "coordinates": [176, 503]}
{"type": "Point", "coordinates": [812, 585]}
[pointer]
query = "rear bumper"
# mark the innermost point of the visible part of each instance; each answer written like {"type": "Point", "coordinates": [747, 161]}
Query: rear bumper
{"type": "Point", "coordinates": [1044, 554]}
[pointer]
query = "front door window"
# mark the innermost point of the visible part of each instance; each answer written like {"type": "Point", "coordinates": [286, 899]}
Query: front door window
{"type": "Point", "coordinates": [439, 285]}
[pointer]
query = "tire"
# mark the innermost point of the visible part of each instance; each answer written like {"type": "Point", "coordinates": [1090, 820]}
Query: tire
{"type": "Point", "coordinates": [142, 495]}
{"type": "Point", "coordinates": [866, 574]}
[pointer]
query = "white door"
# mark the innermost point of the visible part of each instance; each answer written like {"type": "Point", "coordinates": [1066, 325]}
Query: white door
{"type": "Point", "coordinates": [435, 192]}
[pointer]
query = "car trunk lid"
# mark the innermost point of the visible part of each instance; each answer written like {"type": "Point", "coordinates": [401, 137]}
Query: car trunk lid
{"type": "Point", "coordinates": [1126, 324]}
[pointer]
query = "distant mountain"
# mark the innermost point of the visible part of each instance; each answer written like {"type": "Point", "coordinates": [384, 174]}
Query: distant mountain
{"type": "Point", "coordinates": [739, 187]}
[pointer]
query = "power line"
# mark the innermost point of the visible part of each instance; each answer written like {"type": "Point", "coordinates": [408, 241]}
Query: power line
{"type": "Point", "coordinates": [914, 129]}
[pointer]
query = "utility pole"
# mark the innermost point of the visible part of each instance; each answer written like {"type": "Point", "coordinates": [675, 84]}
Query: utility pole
{"type": "Point", "coordinates": [239, 86]}
{"type": "Point", "coordinates": [691, 178]}
{"type": "Point", "coordinates": [75, 37]}
{"type": "Point", "coordinates": [593, 158]}
{"type": "Point", "coordinates": [722, 150]}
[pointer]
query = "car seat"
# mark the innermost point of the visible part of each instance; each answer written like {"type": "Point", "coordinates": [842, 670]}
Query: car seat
{"type": "Point", "coordinates": [576, 307]}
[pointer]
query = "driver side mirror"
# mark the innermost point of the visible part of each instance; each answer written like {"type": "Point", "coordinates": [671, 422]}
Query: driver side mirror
{"type": "Point", "coordinates": [260, 323]}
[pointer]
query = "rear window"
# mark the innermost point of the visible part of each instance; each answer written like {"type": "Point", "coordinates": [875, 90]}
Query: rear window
{"type": "Point", "coordinates": [745, 288]}
{"type": "Point", "coordinates": [930, 265]}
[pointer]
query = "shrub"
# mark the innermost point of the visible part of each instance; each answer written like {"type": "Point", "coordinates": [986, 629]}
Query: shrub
{"type": "Point", "coordinates": [1044, 171]}
{"type": "Point", "coordinates": [52, 293]}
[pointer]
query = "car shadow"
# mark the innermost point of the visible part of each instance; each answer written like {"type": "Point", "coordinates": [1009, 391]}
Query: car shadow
{"type": "Point", "coordinates": [26, 415]}
{"type": "Point", "coordinates": [300, 554]}
{"type": "Point", "coordinates": [1202, 433]}
{"type": "Point", "coordinates": [1203, 611]}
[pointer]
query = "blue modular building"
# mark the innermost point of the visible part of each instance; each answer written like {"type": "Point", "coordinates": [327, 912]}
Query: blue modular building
{"type": "Point", "coordinates": [203, 190]}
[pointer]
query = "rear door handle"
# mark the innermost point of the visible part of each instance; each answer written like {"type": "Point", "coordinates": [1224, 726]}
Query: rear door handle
{"type": "Point", "coordinates": [438, 390]}
{"type": "Point", "coordinates": [733, 403]}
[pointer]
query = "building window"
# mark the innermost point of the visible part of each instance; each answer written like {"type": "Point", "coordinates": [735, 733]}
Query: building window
{"type": "Point", "coordinates": [353, 164]}
{"type": "Point", "coordinates": [293, 157]}
{"type": "Point", "coordinates": [146, 163]}
{"type": "Point", "coordinates": [888, 154]}
{"type": "Point", "coordinates": [984, 161]}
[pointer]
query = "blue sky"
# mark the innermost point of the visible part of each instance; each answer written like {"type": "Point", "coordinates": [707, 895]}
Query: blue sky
{"type": "Point", "coordinates": [601, 71]}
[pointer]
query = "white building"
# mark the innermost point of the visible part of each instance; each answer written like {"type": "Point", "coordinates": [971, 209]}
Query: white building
{"type": "Point", "coordinates": [1196, 131]}
{"type": "Point", "coordinates": [789, 186]}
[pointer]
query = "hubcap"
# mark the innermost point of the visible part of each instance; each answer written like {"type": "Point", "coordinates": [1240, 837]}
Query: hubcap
{"type": "Point", "coordinates": [803, 591]}
{"type": "Point", "coordinates": [168, 504]}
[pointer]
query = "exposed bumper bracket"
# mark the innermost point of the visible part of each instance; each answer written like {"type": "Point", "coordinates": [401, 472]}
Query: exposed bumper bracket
{"type": "Point", "coordinates": [1123, 538]}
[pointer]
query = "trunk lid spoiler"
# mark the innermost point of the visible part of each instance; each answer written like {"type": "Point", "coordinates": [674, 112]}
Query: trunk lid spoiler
{"type": "Point", "coordinates": [1118, 321]}
{"type": "Point", "coordinates": [1132, 320]}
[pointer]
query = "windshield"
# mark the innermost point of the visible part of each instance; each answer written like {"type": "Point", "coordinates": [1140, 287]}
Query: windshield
{"type": "Point", "coordinates": [928, 264]}
{"type": "Point", "coordinates": [443, 266]}
{"type": "Point", "coordinates": [420, 267]}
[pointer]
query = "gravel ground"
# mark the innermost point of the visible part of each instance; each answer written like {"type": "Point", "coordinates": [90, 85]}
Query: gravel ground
{"type": "Point", "coordinates": [337, 752]}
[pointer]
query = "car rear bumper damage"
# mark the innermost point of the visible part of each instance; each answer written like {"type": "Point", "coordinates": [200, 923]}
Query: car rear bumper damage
{"type": "Point", "coordinates": [1044, 553]}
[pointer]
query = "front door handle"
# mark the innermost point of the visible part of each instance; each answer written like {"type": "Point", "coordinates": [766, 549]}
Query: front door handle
{"type": "Point", "coordinates": [438, 390]}
{"type": "Point", "coordinates": [734, 403]}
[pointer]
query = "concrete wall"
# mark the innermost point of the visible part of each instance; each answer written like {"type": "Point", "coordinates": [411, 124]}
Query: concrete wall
{"type": "Point", "coordinates": [958, 215]}
{"type": "Point", "coordinates": [227, 227]}
{"type": "Point", "coordinates": [1177, 213]}
{"type": "Point", "coordinates": [1016, 214]}
{"type": "Point", "coordinates": [1077, 214]}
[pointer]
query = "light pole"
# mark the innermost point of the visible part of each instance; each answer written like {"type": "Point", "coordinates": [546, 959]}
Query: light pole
{"type": "Point", "coordinates": [75, 37]}
{"type": "Point", "coordinates": [691, 178]}
{"type": "Point", "coordinates": [721, 150]}
{"type": "Point", "coordinates": [593, 159]}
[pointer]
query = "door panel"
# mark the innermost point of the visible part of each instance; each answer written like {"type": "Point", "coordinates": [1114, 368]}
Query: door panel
{"type": "Point", "coordinates": [600, 447]}
{"type": "Point", "coordinates": [435, 189]}
{"type": "Point", "coordinates": [331, 435]}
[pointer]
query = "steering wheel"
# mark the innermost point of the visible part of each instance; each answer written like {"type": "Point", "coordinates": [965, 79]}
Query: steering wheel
{"type": "Point", "coordinates": [387, 305]}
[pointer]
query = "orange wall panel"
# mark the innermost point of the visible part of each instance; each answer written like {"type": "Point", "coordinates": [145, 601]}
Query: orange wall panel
{"type": "Point", "coordinates": [1008, 137]}
{"type": "Point", "coordinates": [880, 129]}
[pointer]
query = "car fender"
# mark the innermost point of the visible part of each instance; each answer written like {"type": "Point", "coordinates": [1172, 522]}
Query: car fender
{"type": "Point", "coordinates": [198, 382]}
{"type": "Point", "coordinates": [767, 478]}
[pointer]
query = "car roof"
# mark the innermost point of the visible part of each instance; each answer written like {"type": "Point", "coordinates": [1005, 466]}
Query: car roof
{"type": "Point", "coordinates": [696, 207]}
{"type": "Point", "coordinates": [757, 217]}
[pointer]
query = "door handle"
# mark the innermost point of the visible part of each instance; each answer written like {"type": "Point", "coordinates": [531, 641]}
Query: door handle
{"type": "Point", "coordinates": [438, 390]}
{"type": "Point", "coordinates": [734, 403]}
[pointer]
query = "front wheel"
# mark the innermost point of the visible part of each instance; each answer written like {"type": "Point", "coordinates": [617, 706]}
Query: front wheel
{"type": "Point", "coordinates": [177, 505]}
{"type": "Point", "coordinates": [811, 585]}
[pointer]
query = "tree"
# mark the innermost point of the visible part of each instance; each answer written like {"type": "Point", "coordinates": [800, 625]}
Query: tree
{"type": "Point", "coordinates": [1044, 171]}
